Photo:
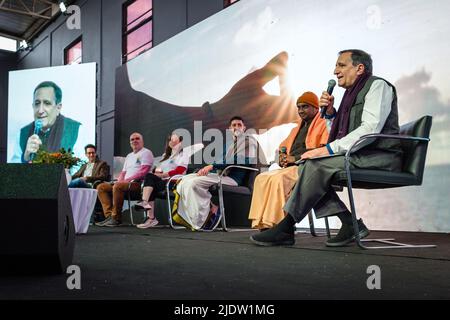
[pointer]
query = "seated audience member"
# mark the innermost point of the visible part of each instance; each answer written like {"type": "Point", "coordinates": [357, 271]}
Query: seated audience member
{"type": "Point", "coordinates": [94, 170]}
{"type": "Point", "coordinates": [272, 188]}
{"type": "Point", "coordinates": [173, 162]}
{"type": "Point", "coordinates": [369, 105]}
{"type": "Point", "coordinates": [194, 205]}
{"type": "Point", "coordinates": [111, 194]}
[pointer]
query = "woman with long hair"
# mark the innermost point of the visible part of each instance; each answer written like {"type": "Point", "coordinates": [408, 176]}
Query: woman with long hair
{"type": "Point", "coordinates": [173, 162]}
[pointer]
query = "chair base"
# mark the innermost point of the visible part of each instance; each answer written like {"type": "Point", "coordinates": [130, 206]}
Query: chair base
{"type": "Point", "coordinates": [236, 229]}
{"type": "Point", "coordinates": [393, 244]}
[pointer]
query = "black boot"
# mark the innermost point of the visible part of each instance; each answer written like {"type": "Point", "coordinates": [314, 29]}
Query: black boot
{"type": "Point", "coordinates": [280, 235]}
{"type": "Point", "coordinates": [346, 235]}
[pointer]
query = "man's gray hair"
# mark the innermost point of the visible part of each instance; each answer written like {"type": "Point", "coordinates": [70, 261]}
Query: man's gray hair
{"type": "Point", "coordinates": [360, 56]}
{"type": "Point", "coordinates": [50, 84]}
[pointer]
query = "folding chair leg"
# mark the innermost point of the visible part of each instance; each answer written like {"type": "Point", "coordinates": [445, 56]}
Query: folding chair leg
{"type": "Point", "coordinates": [131, 210]}
{"type": "Point", "coordinates": [327, 227]}
{"type": "Point", "coordinates": [222, 207]}
{"type": "Point", "coordinates": [312, 228]}
{"type": "Point", "coordinates": [393, 245]}
{"type": "Point", "coordinates": [222, 211]}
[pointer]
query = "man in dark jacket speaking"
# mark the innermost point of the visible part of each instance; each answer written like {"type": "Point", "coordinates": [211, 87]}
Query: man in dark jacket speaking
{"type": "Point", "coordinates": [50, 130]}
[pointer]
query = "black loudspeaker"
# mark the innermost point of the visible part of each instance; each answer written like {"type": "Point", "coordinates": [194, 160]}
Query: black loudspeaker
{"type": "Point", "coordinates": [37, 233]}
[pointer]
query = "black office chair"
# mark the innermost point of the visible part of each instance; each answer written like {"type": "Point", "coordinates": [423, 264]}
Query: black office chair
{"type": "Point", "coordinates": [414, 137]}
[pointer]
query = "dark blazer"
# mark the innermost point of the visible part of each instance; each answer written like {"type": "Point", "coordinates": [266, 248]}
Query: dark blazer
{"type": "Point", "coordinates": [64, 134]}
{"type": "Point", "coordinates": [99, 172]}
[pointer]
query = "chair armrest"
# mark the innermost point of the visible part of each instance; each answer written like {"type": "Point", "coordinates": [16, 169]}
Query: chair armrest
{"type": "Point", "coordinates": [382, 136]}
{"type": "Point", "coordinates": [134, 181]}
{"type": "Point", "coordinates": [174, 178]}
{"type": "Point", "coordinates": [230, 167]}
{"type": "Point", "coordinates": [237, 167]}
{"type": "Point", "coordinates": [96, 183]}
{"type": "Point", "coordinates": [371, 136]}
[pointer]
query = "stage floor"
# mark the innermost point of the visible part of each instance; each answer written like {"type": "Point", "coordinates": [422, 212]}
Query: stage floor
{"type": "Point", "coordinates": [161, 263]}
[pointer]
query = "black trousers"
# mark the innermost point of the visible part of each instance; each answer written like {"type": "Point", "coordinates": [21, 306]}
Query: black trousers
{"type": "Point", "coordinates": [156, 183]}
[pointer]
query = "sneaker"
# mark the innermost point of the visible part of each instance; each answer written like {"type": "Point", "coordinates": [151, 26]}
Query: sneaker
{"type": "Point", "coordinates": [143, 205]}
{"type": "Point", "coordinates": [148, 223]}
{"type": "Point", "coordinates": [112, 223]}
{"type": "Point", "coordinates": [273, 237]}
{"type": "Point", "coordinates": [102, 223]}
{"type": "Point", "coordinates": [346, 235]}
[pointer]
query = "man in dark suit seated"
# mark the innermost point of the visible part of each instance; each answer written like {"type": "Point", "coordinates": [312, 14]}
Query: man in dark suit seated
{"type": "Point", "coordinates": [94, 170]}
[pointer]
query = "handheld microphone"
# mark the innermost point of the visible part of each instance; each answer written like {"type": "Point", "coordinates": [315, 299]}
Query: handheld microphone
{"type": "Point", "coordinates": [331, 84]}
{"type": "Point", "coordinates": [37, 128]}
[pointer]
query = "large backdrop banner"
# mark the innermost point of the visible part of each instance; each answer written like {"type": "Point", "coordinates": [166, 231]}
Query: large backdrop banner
{"type": "Point", "coordinates": [256, 57]}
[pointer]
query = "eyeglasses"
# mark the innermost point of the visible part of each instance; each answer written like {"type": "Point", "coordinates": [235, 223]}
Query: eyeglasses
{"type": "Point", "coordinates": [303, 106]}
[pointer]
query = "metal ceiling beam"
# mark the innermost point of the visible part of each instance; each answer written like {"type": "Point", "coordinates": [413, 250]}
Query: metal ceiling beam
{"type": "Point", "coordinates": [41, 13]}
{"type": "Point", "coordinates": [22, 8]}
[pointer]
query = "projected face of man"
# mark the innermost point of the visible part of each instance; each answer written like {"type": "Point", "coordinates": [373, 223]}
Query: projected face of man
{"type": "Point", "coordinates": [346, 72]}
{"type": "Point", "coordinates": [136, 142]}
{"type": "Point", "coordinates": [45, 107]}
{"type": "Point", "coordinates": [237, 127]}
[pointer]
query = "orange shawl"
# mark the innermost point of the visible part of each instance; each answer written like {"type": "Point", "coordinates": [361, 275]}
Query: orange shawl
{"type": "Point", "coordinates": [316, 137]}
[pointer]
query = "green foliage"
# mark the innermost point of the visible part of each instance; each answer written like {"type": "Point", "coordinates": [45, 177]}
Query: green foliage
{"type": "Point", "coordinates": [62, 156]}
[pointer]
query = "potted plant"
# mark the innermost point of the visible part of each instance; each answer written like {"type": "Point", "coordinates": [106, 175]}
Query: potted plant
{"type": "Point", "coordinates": [62, 156]}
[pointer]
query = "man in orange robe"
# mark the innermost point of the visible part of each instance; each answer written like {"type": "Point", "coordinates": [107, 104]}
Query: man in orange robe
{"type": "Point", "coordinates": [272, 188]}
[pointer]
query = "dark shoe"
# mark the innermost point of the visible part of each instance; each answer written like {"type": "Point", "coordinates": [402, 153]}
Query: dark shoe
{"type": "Point", "coordinates": [99, 217]}
{"type": "Point", "coordinates": [346, 235]}
{"type": "Point", "coordinates": [273, 237]}
{"type": "Point", "coordinates": [212, 221]}
{"type": "Point", "coordinates": [113, 223]}
{"type": "Point", "coordinates": [102, 223]}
